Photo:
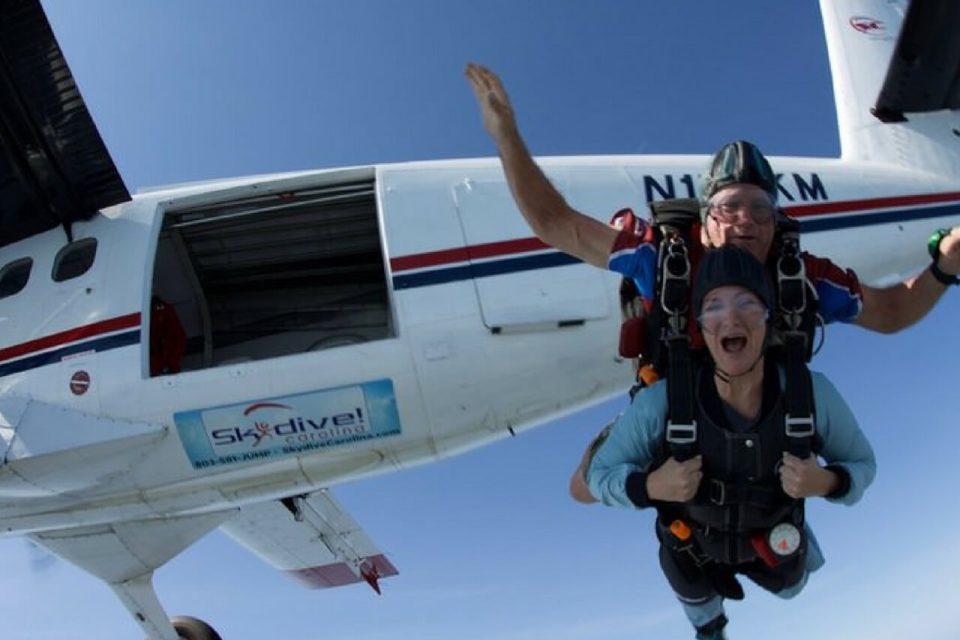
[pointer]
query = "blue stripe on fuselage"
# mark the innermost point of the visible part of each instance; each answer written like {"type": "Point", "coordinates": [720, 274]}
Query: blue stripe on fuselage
{"type": "Point", "coordinates": [557, 259]}
{"type": "Point", "coordinates": [483, 269]}
{"type": "Point", "coordinates": [877, 217]}
{"type": "Point", "coordinates": [49, 357]}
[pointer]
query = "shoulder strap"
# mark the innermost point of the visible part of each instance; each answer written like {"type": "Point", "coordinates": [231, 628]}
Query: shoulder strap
{"type": "Point", "coordinates": [674, 294]}
{"type": "Point", "coordinates": [796, 313]}
{"type": "Point", "coordinates": [678, 213]}
{"type": "Point", "coordinates": [675, 220]}
{"type": "Point", "coordinates": [799, 415]}
{"type": "Point", "coordinates": [795, 322]}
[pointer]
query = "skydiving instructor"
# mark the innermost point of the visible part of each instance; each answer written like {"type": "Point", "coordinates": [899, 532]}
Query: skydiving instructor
{"type": "Point", "coordinates": [553, 220]}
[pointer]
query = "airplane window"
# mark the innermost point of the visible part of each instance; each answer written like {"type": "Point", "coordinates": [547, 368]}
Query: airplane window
{"type": "Point", "coordinates": [14, 276]}
{"type": "Point", "coordinates": [75, 259]}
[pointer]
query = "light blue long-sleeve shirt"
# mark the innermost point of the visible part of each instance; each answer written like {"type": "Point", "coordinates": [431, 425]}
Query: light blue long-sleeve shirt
{"type": "Point", "coordinates": [639, 432]}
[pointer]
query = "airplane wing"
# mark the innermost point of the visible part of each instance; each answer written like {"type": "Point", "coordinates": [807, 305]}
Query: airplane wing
{"type": "Point", "coordinates": [122, 551]}
{"type": "Point", "coordinates": [924, 73]}
{"type": "Point", "coordinates": [82, 452]}
{"type": "Point", "coordinates": [125, 554]}
{"type": "Point", "coordinates": [312, 539]}
{"type": "Point", "coordinates": [54, 167]}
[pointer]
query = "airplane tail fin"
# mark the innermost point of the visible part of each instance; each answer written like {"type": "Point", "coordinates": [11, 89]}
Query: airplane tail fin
{"type": "Point", "coordinates": [896, 81]}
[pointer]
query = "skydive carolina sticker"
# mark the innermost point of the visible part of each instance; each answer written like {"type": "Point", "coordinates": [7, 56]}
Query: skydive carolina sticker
{"type": "Point", "coordinates": [288, 425]}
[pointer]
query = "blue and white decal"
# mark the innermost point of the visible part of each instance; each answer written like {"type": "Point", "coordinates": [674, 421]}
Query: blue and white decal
{"type": "Point", "coordinates": [288, 425]}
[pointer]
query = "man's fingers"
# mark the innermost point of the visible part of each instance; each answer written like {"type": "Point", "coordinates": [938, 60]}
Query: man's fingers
{"type": "Point", "coordinates": [482, 78]}
{"type": "Point", "coordinates": [494, 80]}
{"type": "Point", "coordinates": [488, 92]}
{"type": "Point", "coordinates": [494, 107]}
{"type": "Point", "coordinates": [477, 80]}
{"type": "Point", "coordinates": [476, 71]}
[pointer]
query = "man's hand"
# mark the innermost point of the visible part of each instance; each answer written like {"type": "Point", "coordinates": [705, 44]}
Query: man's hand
{"type": "Point", "coordinates": [950, 252]}
{"type": "Point", "coordinates": [550, 217]}
{"type": "Point", "coordinates": [494, 103]}
{"type": "Point", "coordinates": [805, 478]}
{"type": "Point", "coordinates": [675, 481]}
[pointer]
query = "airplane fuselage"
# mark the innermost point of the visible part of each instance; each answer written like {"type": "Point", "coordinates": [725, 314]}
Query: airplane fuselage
{"type": "Point", "coordinates": [474, 331]}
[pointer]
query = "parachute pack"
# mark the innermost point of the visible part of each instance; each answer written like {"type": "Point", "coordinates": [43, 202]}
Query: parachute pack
{"type": "Point", "coordinates": [662, 337]}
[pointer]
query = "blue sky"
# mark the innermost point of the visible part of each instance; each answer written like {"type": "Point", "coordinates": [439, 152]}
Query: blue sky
{"type": "Point", "coordinates": [487, 544]}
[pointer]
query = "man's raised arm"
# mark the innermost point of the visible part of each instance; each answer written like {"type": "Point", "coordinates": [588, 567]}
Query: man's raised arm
{"type": "Point", "coordinates": [544, 209]}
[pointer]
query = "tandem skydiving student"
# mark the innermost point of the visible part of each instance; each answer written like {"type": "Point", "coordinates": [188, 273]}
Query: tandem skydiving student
{"type": "Point", "coordinates": [735, 506]}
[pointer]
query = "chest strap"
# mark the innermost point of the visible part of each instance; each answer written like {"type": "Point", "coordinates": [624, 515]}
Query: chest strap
{"type": "Point", "coordinates": [721, 493]}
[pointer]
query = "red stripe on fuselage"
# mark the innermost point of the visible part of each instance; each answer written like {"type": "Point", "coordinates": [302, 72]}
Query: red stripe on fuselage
{"type": "Point", "coordinates": [507, 247]}
{"type": "Point", "coordinates": [462, 254]}
{"type": "Point", "coordinates": [850, 206]}
{"type": "Point", "coordinates": [71, 335]}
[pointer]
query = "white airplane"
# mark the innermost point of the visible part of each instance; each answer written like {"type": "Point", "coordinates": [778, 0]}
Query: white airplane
{"type": "Point", "coordinates": [221, 354]}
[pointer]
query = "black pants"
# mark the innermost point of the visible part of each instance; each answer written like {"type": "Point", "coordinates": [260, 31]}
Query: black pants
{"type": "Point", "coordinates": [694, 584]}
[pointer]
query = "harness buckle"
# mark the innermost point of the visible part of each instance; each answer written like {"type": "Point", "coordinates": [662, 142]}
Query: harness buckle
{"type": "Point", "coordinates": [801, 427]}
{"type": "Point", "coordinates": [717, 492]}
{"type": "Point", "coordinates": [699, 559]}
{"type": "Point", "coordinates": [791, 280]}
{"type": "Point", "coordinates": [675, 276]}
{"type": "Point", "coordinates": [681, 434]}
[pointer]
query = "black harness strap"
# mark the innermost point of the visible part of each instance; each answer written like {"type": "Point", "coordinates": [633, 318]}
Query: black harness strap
{"type": "Point", "coordinates": [723, 493]}
{"type": "Point", "coordinates": [674, 300]}
{"type": "Point", "coordinates": [795, 320]}
{"type": "Point", "coordinates": [795, 323]}
{"type": "Point", "coordinates": [799, 420]}
{"type": "Point", "coordinates": [797, 346]}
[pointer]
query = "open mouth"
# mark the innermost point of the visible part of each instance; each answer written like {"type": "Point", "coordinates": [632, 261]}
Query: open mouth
{"type": "Point", "coordinates": [733, 344]}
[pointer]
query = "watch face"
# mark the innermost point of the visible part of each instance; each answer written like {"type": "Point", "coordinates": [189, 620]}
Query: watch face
{"type": "Point", "coordinates": [784, 539]}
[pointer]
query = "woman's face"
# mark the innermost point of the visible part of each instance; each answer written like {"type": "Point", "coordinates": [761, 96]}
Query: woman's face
{"type": "Point", "coordinates": [734, 325]}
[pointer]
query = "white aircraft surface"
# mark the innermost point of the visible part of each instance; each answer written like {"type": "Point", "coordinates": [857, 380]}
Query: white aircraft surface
{"type": "Point", "coordinates": [221, 354]}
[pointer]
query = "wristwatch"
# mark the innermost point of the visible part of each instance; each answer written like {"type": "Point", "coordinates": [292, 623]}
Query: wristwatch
{"type": "Point", "coordinates": [933, 247]}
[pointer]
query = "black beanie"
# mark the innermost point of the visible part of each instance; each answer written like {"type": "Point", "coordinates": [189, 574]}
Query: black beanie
{"type": "Point", "coordinates": [730, 265]}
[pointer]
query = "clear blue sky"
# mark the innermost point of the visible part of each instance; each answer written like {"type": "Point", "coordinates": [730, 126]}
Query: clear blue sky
{"type": "Point", "coordinates": [487, 544]}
